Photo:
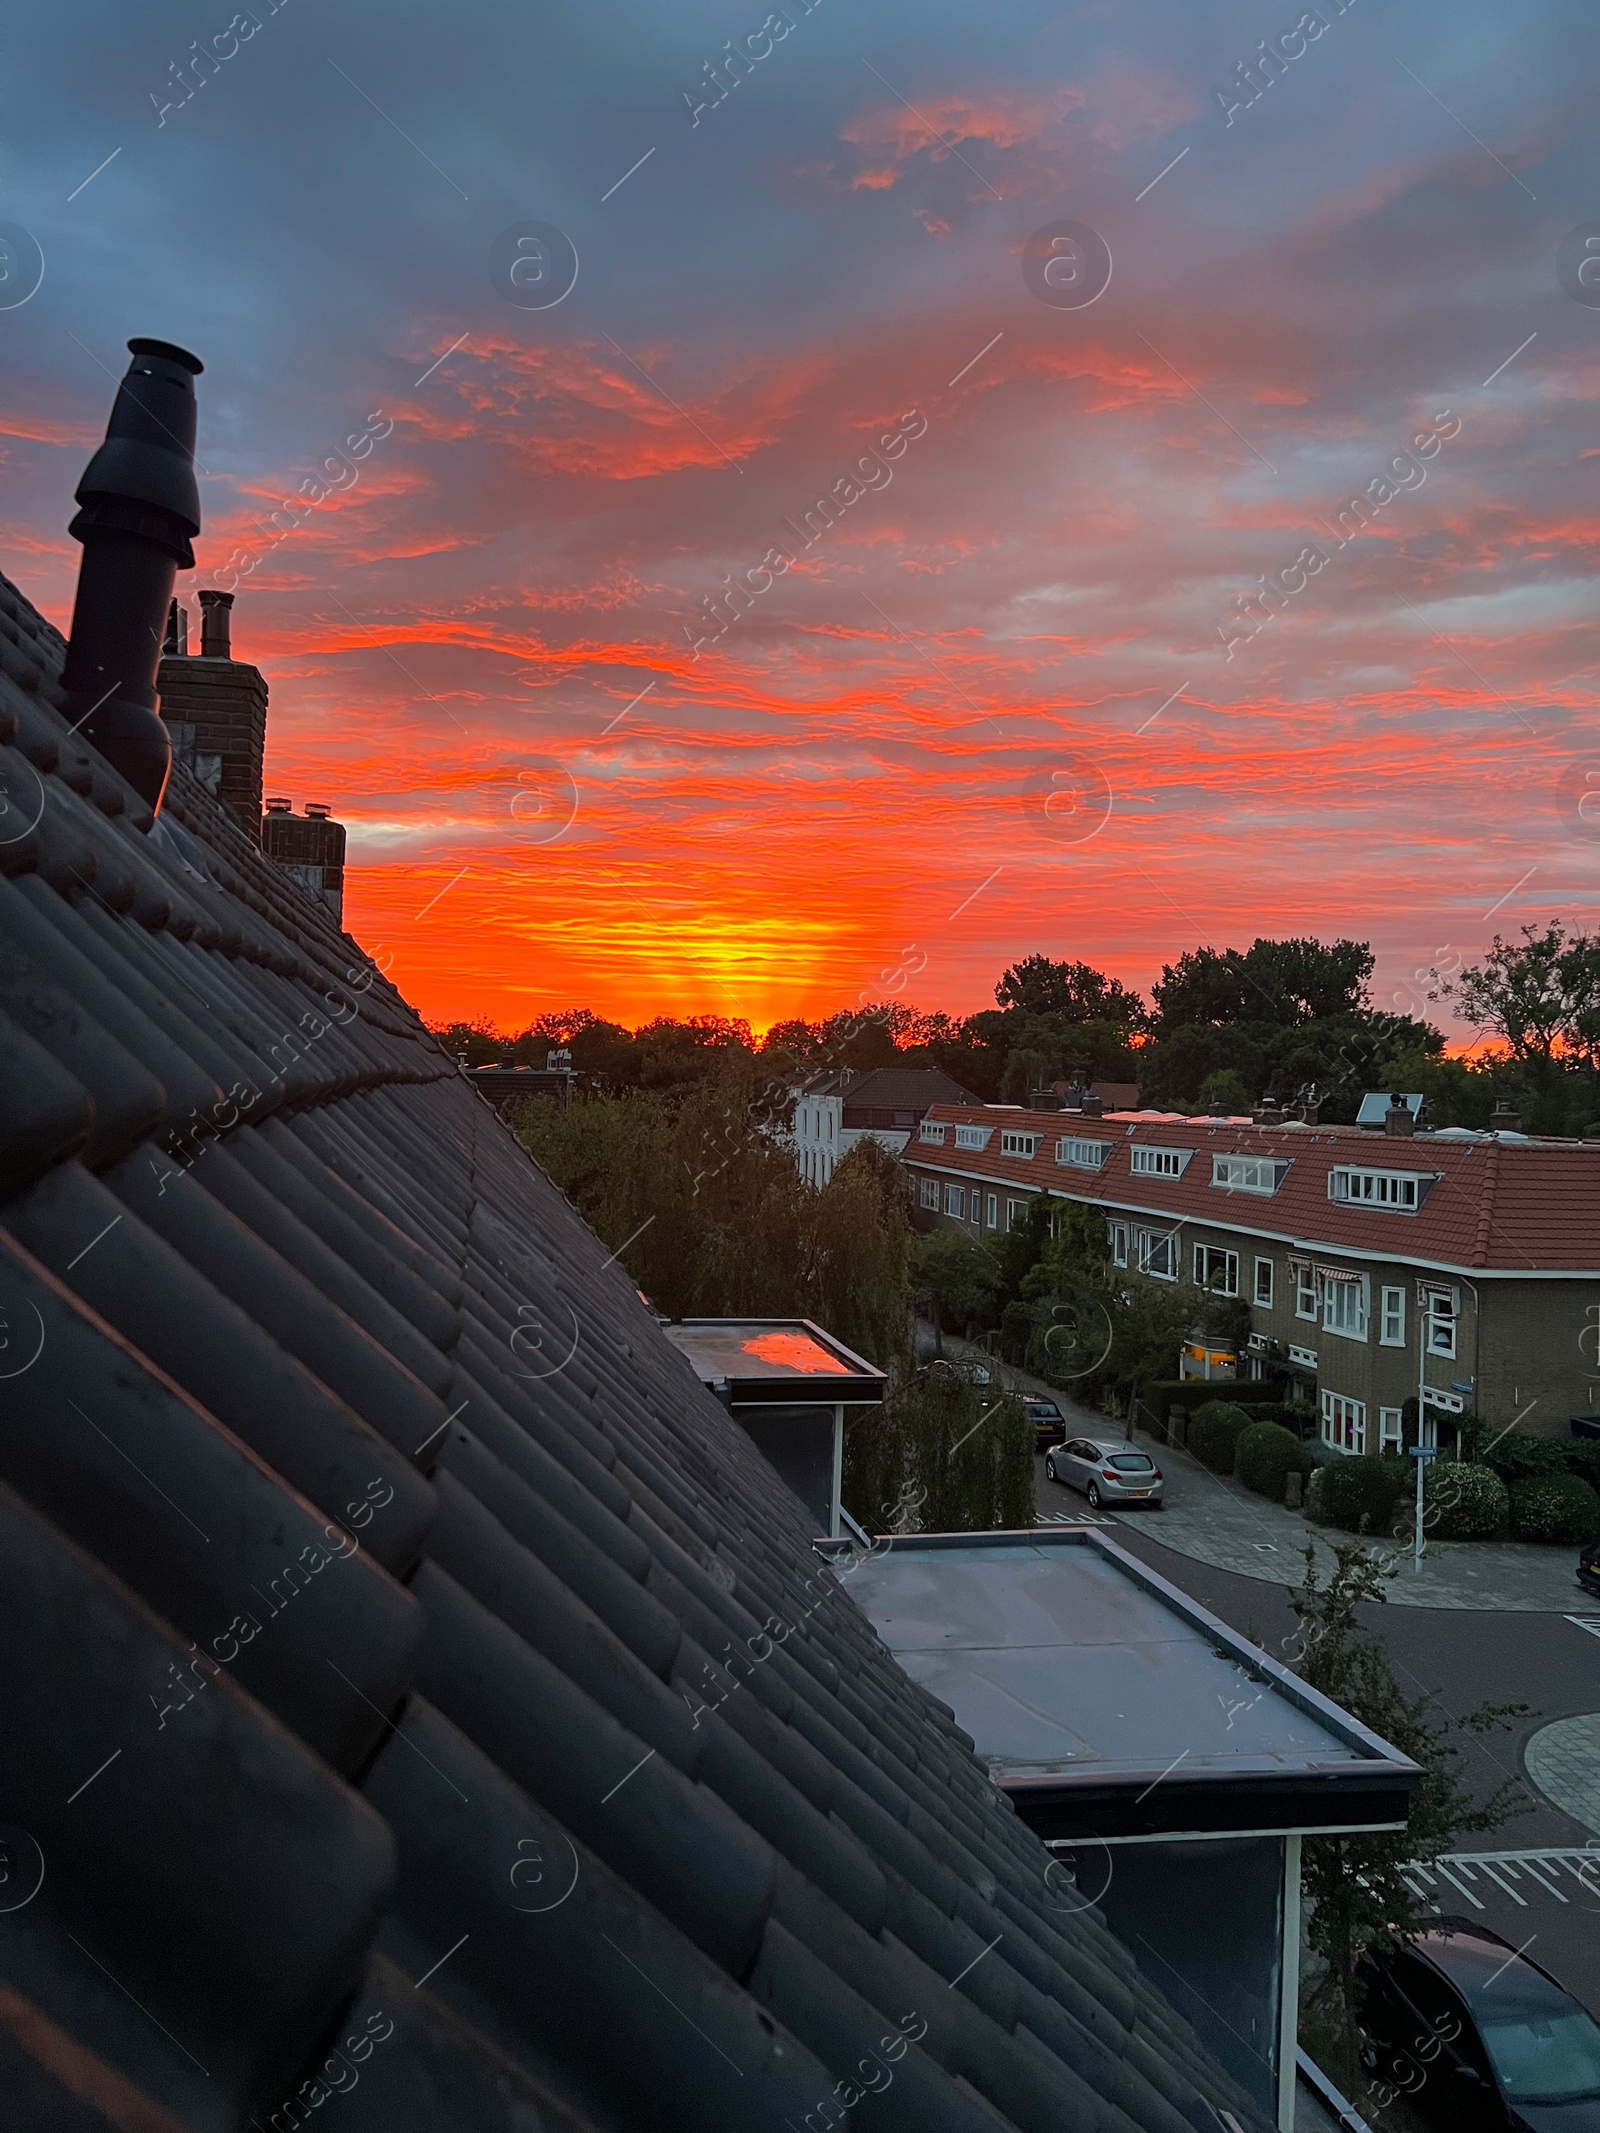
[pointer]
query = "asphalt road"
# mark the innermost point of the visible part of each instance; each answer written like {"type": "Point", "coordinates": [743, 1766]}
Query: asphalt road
{"type": "Point", "coordinates": [1463, 1657]}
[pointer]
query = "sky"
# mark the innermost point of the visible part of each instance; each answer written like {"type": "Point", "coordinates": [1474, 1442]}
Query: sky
{"type": "Point", "coordinates": [1090, 653]}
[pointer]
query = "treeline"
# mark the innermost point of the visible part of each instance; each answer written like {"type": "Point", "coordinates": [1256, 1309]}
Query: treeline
{"type": "Point", "coordinates": [711, 1218]}
{"type": "Point", "coordinates": [1222, 1030]}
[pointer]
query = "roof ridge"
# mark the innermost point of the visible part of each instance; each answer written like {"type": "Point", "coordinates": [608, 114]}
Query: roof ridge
{"type": "Point", "coordinates": [1486, 1200]}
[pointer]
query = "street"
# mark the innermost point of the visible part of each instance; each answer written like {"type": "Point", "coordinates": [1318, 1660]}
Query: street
{"type": "Point", "coordinates": [1465, 1656]}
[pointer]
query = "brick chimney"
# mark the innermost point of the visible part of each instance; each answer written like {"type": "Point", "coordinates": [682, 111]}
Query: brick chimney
{"type": "Point", "coordinates": [1503, 1119]}
{"type": "Point", "coordinates": [215, 709]}
{"type": "Point", "coordinates": [1398, 1119]}
{"type": "Point", "coordinates": [309, 848]}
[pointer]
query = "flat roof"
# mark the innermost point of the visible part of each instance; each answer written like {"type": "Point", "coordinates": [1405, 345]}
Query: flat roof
{"type": "Point", "coordinates": [776, 1361]}
{"type": "Point", "coordinates": [1106, 1702]}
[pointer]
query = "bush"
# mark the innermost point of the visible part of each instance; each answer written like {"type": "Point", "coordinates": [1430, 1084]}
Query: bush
{"type": "Point", "coordinates": [1555, 1507]}
{"type": "Point", "coordinates": [1471, 1501]}
{"type": "Point", "coordinates": [1265, 1455]}
{"type": "Point", "coordinates": [1357, 1494]}
{"type": "Point", "coordinates": [1214, 1432]}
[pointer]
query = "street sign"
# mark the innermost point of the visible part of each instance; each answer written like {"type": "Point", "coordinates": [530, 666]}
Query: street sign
{"type": "Point", "coordinates": [1424, 1451]}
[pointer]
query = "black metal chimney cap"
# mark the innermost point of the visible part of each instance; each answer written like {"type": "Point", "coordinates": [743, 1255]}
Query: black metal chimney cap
{"type": "Point", "coordinates": [169, 349]}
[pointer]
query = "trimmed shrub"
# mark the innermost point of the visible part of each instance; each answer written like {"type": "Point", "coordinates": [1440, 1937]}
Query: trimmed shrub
{"type": "Point", "coordinates": [1555, 1507]}
{"type": "Point", "coordinates": [1472, 1502]}
{"type": "Point", "coordinates": [1356, 1494]}
{"type": "Point", "coordinates": [1214, 1432]}
{"type": "Point", "coordinates": [1265, 1456]}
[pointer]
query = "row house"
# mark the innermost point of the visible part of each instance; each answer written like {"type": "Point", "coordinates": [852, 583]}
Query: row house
{"type": "Point", "coordinates": [1458, 1268]}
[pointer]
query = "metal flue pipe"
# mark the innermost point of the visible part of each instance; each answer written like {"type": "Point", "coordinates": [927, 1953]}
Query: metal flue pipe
{"type": "Point", "coordinates": [140, 510]}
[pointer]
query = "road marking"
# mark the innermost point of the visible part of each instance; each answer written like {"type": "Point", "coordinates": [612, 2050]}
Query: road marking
{"type": "Point", "coordinates": [1589, 1622]}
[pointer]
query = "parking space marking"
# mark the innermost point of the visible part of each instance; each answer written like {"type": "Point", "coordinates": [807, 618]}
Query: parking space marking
{"type": "Point", "coordinates": [1536, 1872]}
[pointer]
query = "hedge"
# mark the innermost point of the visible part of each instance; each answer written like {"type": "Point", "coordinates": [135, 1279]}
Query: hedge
{"type": "Point", "coordinates": [1265, 1456]}
{"type": "Point", "coordinates": [1161, 1393]}
{"type": "Point", "coordinates": [1355, 1493]}
{"type": "Point", "coordinates": [1555, 1507]}
{"type": "Point", "coordinates": [1471, 1501]}
{"type": "Point", "coordinates": [1214, 1433]}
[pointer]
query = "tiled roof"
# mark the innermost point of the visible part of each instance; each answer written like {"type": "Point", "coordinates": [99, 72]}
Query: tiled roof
{"type": "Point", "coordinates": [419, 1696]}
{"type": "Point", "coordinates": [1496, 1202]}
{"type": "Point", "coordinates": [902, 1089]}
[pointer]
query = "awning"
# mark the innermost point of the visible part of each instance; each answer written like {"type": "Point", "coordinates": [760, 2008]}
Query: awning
{"type": "Point", "coordinates": [1337, 1273]}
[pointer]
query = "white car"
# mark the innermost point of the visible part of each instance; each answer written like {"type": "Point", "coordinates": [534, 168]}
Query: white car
{"type": "Point", "coordinates": [1108, 1470]}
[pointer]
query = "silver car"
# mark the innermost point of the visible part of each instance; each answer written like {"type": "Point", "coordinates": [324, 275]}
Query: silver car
{"type": "Point", "coordinates": [1108, 1470]}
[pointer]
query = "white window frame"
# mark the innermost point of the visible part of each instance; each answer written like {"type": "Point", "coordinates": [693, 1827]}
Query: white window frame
{"type": "Point", "coordinates": [1148, 1241]}
{"type": "Point", "coordinates": [1346, 1307]}
{"type": "Point", "coordinates": [1025, 1146]}
{"type": "Point", "coordinates": [930, 1131]}
{"type": "Point", "coordinates": [955, 1201]}
{"type": "Point", "coordinates": [1259, 1174]}
{"type": "Point", "coordinates": [1119, 1243]}
{"type": "Point", "coordinates": [1014, 1213]}
{"type": "Point", "coordinates": [1265, 1266]}
{"type": "Point", "coordinates": [930, 1193]}
{"type": "Point", "coordinates": [1393, 1192]}
{"type": "Point", "coordinates": [1205, 1258]}
{"type": "Point", "coordinates": [1344, 1423]}
{"type": "Point", "coordinates": [1391, 1429]}
{"type": "Point", "coordinates": [1307, 1299]}
{"type": "Point", "coordinates": [973, 1136]}
{"type": "Point", "coordinates": [1147, 1160]}
{"type": "Point", "coordinates": [1075, 1153]}
{"type": "Point", "coordinates": [1392, 1319]}
{"type": "Point", "coordinates": [993, 1211]}
{"type": "Point", "coordinates": [1439, 1324]}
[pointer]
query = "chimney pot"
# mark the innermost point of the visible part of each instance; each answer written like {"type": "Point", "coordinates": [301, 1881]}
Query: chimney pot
{"type": "Point", "coordinates": [175, 645]}
{"type": "Point", "coordinates": [139, 511]}
{"type": "Point", "coordinates": [318, 810]}
{"type": "Point", "coordinates": [214, 625]}
{"type": "Point", "coordinates": [280, 807]}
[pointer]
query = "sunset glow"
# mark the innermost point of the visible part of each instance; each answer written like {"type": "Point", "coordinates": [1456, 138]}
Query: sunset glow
{"type": "Point", "coordinates": [1004, 702]}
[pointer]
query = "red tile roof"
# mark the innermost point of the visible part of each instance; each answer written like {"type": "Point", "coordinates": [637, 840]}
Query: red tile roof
{"type": "Point", "coordinates": [1506, 1205]}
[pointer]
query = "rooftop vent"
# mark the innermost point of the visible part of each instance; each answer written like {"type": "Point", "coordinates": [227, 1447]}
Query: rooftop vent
{"type": "Point", "coordinates": [318, 810]}
{"type": "Point", "coordinates": [139, 512]}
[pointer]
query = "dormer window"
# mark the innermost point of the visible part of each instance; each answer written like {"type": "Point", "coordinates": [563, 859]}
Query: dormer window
{"type": "Point", "coordinates": [931, 1132]}
{"type": "Point", "coordinates": [973, 1136]}
{"type": "Point", "coordinates": [1398, 1191]}
{"type": "Point", "coordinates": [1148, 1162]}
{"type": "Point", "coordinates": [1075, 1154]}
{"type": "Point", "coordinates": [1025, 1145]}
{"type": "Point", "coordinates": [1248, 1173]}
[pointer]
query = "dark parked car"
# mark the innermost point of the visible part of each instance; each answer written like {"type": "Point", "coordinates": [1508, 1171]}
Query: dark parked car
{"type": "Point", "coordinates": [1107, 1469]}
{"type": "Point", "coordinates": [1049, 1423]}
{"type": "Point", "coordinates": [1479, 2037]}
{"type": "Point", "coordinates": [1589, 1569]}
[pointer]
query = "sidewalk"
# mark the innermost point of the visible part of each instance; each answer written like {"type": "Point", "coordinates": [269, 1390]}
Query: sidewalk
{"type": "Point", "coordinates": [1216, 1521]}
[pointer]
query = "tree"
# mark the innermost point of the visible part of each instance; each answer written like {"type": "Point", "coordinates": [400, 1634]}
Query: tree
{"type": "Point", "coordinates": [960, 1276]}
{"type": "Point", "coordinates": [1074, 991]}
{"type": "Point", "coordinates": [1541, 998]}
{"type": "Point", "coordinates": [1282, 983]}
{"type": "Point", "coordinates": [1356, 1888]}
{"type": "Point", "coordinates": [712, 1219]}
{"type": "Point", "coordinates": [942, 1455]}
{"type": "Point", "coordinates": [480, 1041]}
